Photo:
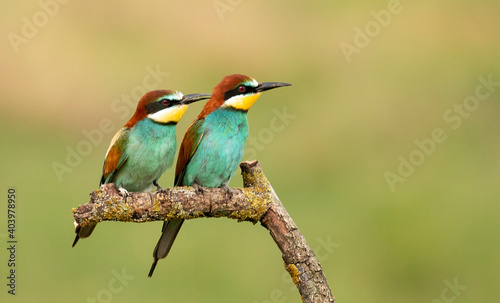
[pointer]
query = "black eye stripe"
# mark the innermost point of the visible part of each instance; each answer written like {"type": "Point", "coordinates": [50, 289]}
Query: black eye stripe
{"type": "Point", "coordinates": [236, 91]}
{"type": "Point", "coordinates": [154, 107]}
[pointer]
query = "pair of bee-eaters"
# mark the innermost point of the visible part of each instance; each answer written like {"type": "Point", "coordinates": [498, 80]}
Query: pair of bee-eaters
{"type": "Point", "coordinates": [210, 152]}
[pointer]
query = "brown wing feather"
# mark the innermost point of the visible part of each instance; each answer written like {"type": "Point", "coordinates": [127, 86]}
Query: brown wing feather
{"type": "Point", "coordinates": [189, 145]}
{"type": "Point", "coordinates": [115, 156]}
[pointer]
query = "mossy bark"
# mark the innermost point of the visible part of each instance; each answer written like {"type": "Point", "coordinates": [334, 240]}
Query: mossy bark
{"type": "Point", "coordinates": [256, 202]}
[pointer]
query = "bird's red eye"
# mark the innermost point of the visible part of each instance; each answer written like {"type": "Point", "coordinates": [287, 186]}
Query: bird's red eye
{"type": "Point", "coordinates": [165, 102]}
{"type": "Point", "coordinates": [242, 88]}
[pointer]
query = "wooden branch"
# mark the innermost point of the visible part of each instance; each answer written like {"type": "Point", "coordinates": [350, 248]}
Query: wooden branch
{"type": "Point", "coordinates": [256, 202]}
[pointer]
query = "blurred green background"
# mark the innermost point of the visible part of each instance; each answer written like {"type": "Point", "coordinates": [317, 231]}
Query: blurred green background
{"type": "Point", "coordinates": [350, 120]}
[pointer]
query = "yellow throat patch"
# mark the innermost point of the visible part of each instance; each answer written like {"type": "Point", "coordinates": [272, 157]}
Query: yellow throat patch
{"type": "Point", "coordinates": [171, 114]}
{"type": "Point", "coordinates": [242, 102]}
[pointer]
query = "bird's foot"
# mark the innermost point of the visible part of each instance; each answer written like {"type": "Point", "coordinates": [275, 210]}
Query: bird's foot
{"type": "Point", "coordinates": [123, 192]}
{"type": "Point", "coordinates": [228, 191]}
{"type": "Point", "coordinates": [158, 187]}
{"type": "Point", "coordinates": [199, 189]}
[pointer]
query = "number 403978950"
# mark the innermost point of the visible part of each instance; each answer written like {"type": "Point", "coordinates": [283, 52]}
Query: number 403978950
{"type": "Point", "coordinates": [11, 213]}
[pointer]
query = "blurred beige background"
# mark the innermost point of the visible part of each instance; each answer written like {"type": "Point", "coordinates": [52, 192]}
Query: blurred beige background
{"type": "Point", "coordinates": [385, 150]}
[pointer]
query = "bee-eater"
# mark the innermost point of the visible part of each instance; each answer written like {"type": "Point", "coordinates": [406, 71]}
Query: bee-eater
{"type": "Point", "coordinates": [145, 146]}
{"type": "Point", "coordinates": [213, 145]}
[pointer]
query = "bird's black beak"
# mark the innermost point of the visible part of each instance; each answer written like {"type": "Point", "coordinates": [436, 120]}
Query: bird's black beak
{"type": "Point", "coordinates": [187, 99]}
{"type": "Point", "coordinates": [269, 85]}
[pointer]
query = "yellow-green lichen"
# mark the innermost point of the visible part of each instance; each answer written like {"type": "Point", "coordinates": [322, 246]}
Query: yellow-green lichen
{"type": "Point", "coordinates": [258, 203]}
{"type": "Point", "coordinates": [99, 193]}
{"type": "Point", "coordinates": [258, 192]}
{"type": "Point", "coordinates": [116, 211]}
{"type": "Point", "coordinates": [156, 205]}
{"type": "Point", "coordinates": [176, 209]}
{"type": "Point", "coordinates": [178, 212]}
{"type": "Point", "coordinates": [294, 273]}
{"type": "Point", "coordinates": [257, 180]}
